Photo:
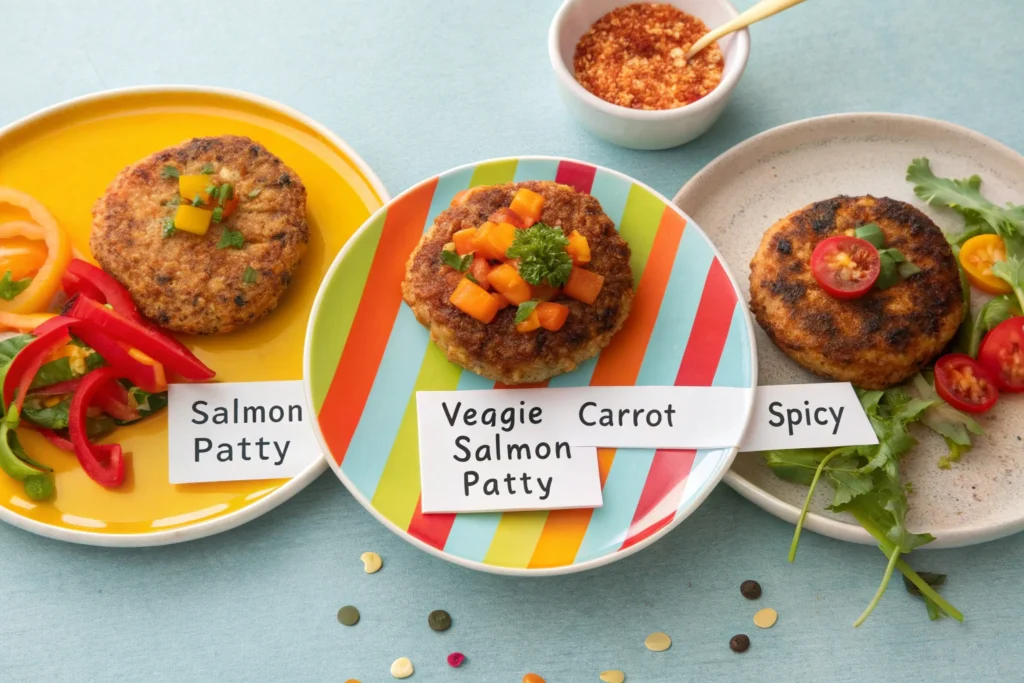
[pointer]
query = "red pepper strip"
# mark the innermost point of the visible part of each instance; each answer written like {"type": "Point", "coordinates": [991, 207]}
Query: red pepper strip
{"type": "Point", "coordinates": [111, 290]}
{"type": "Point", "coordinates": [164, 350]}
{"type": "Point", "coordinates": [66, 387]}
{"type": "Point", "coordinates": [56, 439]}
{"type": "Point", "coordinates": [113, 399]}
{"type": "Point", "coordinates": [26, 364]}
{"type": "Point", "coordinates": [140, 374]}
{"type": "Point", "coordinates": [104, 464]}
{"type": "Point", "coordinates": [56, 322]}
{"type": "Point", "coordinates": [73, 284]}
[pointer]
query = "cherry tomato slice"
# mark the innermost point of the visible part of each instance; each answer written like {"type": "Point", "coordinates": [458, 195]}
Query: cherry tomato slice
{"type": "Point", "coordinates": [845, 267]}
{"type": "Point", "coordinates": [1002, 353]}
{"type": "Point", "coordinates": [964, 383]}
{"type": "Point", "coordinates": [977, 257]}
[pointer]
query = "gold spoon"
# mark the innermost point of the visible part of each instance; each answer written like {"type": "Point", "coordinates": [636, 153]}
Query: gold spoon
{"type": "Point", "coordinates": [761, 10]}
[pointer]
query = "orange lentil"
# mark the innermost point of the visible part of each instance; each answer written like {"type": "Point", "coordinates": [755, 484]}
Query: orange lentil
{"type": "Point", "coordinates": [533, 678]}
{"type": "Point", "coordinates": [635, 56]}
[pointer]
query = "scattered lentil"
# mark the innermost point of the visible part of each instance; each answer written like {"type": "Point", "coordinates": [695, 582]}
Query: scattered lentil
{"type": "Point", "coordinates": [439, 620]}
{"type": "Point", "coordinates": [766, 618]}
{"type": "Point", "coordinates": [401, 668]}
{"type": "Point", "coordinates": [740, 643]}
{"type": "Point", "coordinates": [635, 57]}
{"type": "Point", "coordinates": [658, 642]}
{"type": "Point", "coordinates": [371, 562]}
{"type": "Point", "coordinates": [751, 590]}
{"type": "Point", "coordinates": [533, 678]}
{"type": "Point", "coordinates": [348, 615]}
{"type": "Point", "coordinates": [456, 659]}
{"type": "Point", "coordinates": [352, 680]}
{"type": "Point", "coordinates": [613, 676]}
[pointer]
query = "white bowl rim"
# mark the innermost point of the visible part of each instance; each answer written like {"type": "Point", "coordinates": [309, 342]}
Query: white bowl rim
{"type": "Point", "coordinates": [267, 503]}
{"type": "Point", "coordinates": [681, 514]}
{"type": "Point", "coordinates": [724, 89]}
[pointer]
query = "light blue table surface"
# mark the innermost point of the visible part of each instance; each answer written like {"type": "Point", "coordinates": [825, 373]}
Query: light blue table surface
{"type": "Point", "coordinates": [418, 87]}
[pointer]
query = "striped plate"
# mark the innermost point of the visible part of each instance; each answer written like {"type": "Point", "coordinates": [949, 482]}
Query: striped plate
{"type": "Point", "coordinates": [366, 356]}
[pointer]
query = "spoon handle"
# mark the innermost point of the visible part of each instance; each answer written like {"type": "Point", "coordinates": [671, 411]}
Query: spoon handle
{"type": "Point", "coordinates": [761, 10]}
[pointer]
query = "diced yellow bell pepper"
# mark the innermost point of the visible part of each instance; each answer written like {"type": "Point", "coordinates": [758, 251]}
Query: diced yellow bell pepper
{"type": "Point", "coordinates": [191, 185]}
{"type": "Point", "coordinates": [192, 219]}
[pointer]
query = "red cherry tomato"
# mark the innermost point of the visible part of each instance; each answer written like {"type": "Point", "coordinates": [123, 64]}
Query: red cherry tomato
{"type": "Point", "coordinates": [964, 383]}
{"type": "Point", "coordinates": [845, 267]}
{"type": "Point", "coordinates": [1002, 353]}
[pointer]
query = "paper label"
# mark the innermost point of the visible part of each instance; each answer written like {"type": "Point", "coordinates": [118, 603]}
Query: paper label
{"type": "Point", "coordinates": [819, 415]}
{"type": "Point", "coordinates": [238, 431]}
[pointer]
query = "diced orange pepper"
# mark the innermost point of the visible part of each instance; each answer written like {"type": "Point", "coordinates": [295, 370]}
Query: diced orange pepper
{"type": "Point", "coordinates": [158, 368]}
{"type": "Point", "coordinates": [22, 322]}
{"type": "Point", "coordinates": [583, 285]}
{"type": "Point", "coordinates": [506, 215]}
{"type": "Point", "coordinates": [579, 248]}
{"type": "Point", "coordinates": [502, 301]}
{"type": "Point", "coordinates": [530, 324]}
{"type": "Point", "coordinates": [460, 197]}
{"type": "Point", "coordinates": [508, 283]}
{"type": "Point", "coordinates": [465, 241]}
{"type": "Point", "coordinates": [474, 300]}
{"type": "Point", "coordinates": [544, 292]}
{"type": "Point", "coordinates": [494, 239]}
{"type": "Point", "coordinates": [481, 270]}
{"type": "Point", "coordinates": [552, 316]}
{"type": "Point", "coordinates": [528, 204]}
{"type": "Point", "coordinates": [482, 241]}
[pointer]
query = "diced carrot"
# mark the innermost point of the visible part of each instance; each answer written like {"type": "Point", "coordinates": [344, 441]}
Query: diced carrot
{"type": "Point", "coordinates": [552, 316]}
{"type": "Point", "coordinates": [465, 241]}
{"type": "Point", "coordinates": [508, 283]}
{"type": "Point", "coordinates": [544, 292]}
{"type": "Point", "coordinates": [528, 204]}
{"type": "Point", "coordinates": [460, 197]}
{"type": "Point", "coordinates": [583, 285]}
{"type": "Point", "coordinates": [474, 300]}
{"type": "Point", "coordinates": [481, 270]}
{"type": "Point", "coordinates": [506, 215]}
{"type": "Point", "coordinates": [530, 324]}
{"type": "Point", "coordinates": [579, 248]}
{"type": "Point", "coordinates": [502, 301]}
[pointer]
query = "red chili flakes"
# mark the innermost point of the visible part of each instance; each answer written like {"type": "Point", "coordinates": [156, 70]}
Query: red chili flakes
{"type": "Point", "coordinates": [635, 56]}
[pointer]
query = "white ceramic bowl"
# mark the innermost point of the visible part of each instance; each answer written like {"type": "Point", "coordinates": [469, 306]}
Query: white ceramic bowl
{"type": "Point", "coordinates": [635, 128]}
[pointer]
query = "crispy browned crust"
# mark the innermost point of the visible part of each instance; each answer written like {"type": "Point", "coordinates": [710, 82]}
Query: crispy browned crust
{"type": "Point", "coordinates": [183, 282]}
{"type": "Point", "coordinates": [879, 339]}
{"type": "Point", "coordinates": [496, 350]}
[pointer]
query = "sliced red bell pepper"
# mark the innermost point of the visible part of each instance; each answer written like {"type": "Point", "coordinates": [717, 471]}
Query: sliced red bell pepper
{"type": "Point", "coordinates": [112, 291]}
{"type": "Point", "coordinates": [26, 364]}
{"type": "Point", "coordinates": [73, 284]}
{"type": "Point", "coordinates": [66, 387]}
{"type": "Point", "coordinates": [113, 399]}
{"type": "Point", "coordinates": [56, 439]}
{"type": "Point", "coordinates": [141, 375]}
{"type": "Point", "coordinates": [103, 463]}
{"type": "Point", "coordinates": [161, 348]}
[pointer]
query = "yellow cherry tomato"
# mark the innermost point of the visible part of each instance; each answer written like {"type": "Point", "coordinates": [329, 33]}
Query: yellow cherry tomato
{"type": "Point", "coordinates": [977, 257]}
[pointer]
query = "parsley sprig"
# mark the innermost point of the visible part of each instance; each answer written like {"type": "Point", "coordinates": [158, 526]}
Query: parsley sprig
{"type": "Point", "coordinates": [542, 255]}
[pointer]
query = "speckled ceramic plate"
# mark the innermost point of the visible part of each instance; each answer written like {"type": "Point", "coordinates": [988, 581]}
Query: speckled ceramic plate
{"type": "Point", "coordinates": [740, 194]}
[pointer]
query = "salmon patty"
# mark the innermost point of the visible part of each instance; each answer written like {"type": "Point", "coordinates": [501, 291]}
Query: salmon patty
{"type": "Point", "coordinates": [496, 350]}
{"type": "Point", "coordinates": [185, 282]}
{"type": "Point", "coordinates": [874, 341]}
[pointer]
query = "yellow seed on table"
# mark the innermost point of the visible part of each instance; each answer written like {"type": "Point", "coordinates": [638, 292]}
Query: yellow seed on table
{"type": "Point", "coordinates": [658, 642]}
{"type": "Point", "coordinates": [613, 676]}
{"type": "Point", "coordinates": [371, 562]}
{"type": "Point", "coordinates": [766, 618]}
{"type": "Point", "coordinates": [401, 668]}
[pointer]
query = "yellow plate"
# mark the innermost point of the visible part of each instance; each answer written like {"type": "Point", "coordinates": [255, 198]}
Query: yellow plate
{"type": "Point", "coordinates": [65, 157]}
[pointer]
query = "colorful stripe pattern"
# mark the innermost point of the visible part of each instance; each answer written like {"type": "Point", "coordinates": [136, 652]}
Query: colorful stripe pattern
{"type": "Point", "coordinates": [369, 357]}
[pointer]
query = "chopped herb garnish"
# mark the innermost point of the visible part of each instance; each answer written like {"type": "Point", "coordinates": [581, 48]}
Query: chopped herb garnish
{"type": "Point", "coordinates": [218, 214]}
{"type": "Point", "coordinates": [230, 239]}
{"type": "Point", "coordinates": [170, 172]}
{"type": "Point", "coordinates": [469, 276]}
{"type": "Point", "coordinates": [207, 169]}
{"type": "Point", "coordinates": [11, 288]}
{"type": "Point", "coordinates": [525, 310]}
{"type": "Point", "coordinates": [453, 260]}
{"type": "Point", "coordinates": [542, 255]}
{"type": "Point", "coordinates": [198, 201]}
{"type": "Point", "coordinates": [893, 268]}
{"type": "Point", "coordinates": [255, 193]}
{"type": "Point", "coordinates": [174, 201]}
{"type": "Point", "coordinates": [168, 227]}
{"type": "Point", "coordinates": [210, 189]}
{"type": "Point", "coordinates": [870, 232]}
{"type": "Point", "coordinates": [224, 193]}
{"type": "Point", "coordinates": [250, 275]}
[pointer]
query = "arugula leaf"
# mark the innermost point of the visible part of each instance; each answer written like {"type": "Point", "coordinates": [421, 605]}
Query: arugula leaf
{"type": "Point", "coordinates": [943, 419]}
{"type": "Point", "coordinates": [932, 580]}
{"type": "Point", "coordinates": [10, 347]}
{"type": "Point", "coordinates": [453, 260]}
{"type": "Point", "coordinates": [11, 288]}
{"type": "Point", "coordinates": [145, 402]}
{"type": "Point", "coordinates": [232, 239]}
{"type": "Point", "coordinates": [995, 311]}
{"type": "Point", "coordinates": [1012, 271]}
{"type": "Point", "coordinates": [170, 172]}
{"type": "Point", "coordinates": [525, 310]}
{"type": "Point", "coordinates": [542, 255]}
{"type": "Point", "coordinates": [55, 417]}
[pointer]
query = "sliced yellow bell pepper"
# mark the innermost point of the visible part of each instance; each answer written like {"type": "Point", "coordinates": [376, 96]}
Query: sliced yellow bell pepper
{"type": "Point", "coordinates": [22, 322]}
{"type": "Point", "coordinates": [191, 185]}
{"type": "Point", "coordinates": [39, 294]}
{"type": "Point", "coordinates": [192, 219]}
